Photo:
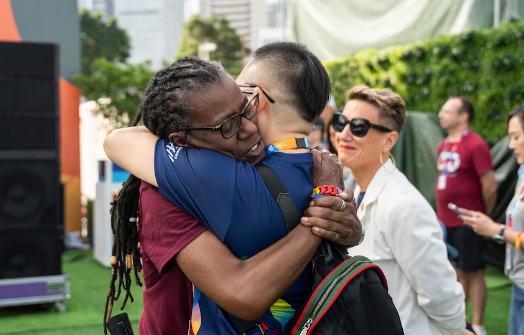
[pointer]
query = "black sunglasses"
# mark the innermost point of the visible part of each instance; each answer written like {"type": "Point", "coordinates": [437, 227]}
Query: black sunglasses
{"type": "Point", "coordinates": [254, 86]}
{"type": "Point", "coordinates": [358, 126]}
{"type": "Point", "coordinates": [230, 127]}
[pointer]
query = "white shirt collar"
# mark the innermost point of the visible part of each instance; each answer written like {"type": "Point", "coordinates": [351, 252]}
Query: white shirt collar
{"type": "Point", "coordinates": [383, 175]}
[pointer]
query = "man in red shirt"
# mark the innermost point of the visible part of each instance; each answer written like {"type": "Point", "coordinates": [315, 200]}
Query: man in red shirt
{"type": "Point", "coordinates": [466, 179]}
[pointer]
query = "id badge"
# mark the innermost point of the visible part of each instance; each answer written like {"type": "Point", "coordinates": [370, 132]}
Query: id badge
{"type": "Point", "coordinates": [441, 184]}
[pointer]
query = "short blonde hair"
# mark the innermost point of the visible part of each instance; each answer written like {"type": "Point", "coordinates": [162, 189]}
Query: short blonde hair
{"type": "Point", "coordinates": [392, 107]}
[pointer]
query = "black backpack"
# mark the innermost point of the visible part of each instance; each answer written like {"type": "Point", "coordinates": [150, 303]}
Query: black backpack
{"type": "Point", "coordinates": [349, 294]}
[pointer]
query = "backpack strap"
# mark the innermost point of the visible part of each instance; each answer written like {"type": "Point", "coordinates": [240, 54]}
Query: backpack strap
{"type": "Point", "coordinates": [329, 289]}
{"type": "Point", "coordinates": [291, 218]}
{"type": "Point", "coordinates": [281, 195]}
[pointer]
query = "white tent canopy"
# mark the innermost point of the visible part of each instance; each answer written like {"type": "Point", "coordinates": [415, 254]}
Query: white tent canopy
{"type": "Point", "coordinates": [336, 28]}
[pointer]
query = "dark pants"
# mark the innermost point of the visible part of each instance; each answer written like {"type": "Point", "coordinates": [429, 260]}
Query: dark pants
{"type": "Point", "coordinates": [469, 246]}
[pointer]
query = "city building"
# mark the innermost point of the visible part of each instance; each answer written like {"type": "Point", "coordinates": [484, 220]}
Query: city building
{"type": "Point", "coordinates": [154, 26]}
{"type": "Point", "coordinates": [275, 27]}
{"type": "Point", "coordinates": [259, 22]}
{"type": "Point", "coordinates": [103, 6]}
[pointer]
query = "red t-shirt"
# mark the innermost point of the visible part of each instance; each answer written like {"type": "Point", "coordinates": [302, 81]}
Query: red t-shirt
{"type": "Point", "coordinates": [461, 164]}
{"type": "Point", "coordinates": [164, 230]}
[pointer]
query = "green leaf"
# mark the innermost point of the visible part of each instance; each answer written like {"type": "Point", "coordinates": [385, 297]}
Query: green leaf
{"type": "Point", "coordinates": [215, 29]}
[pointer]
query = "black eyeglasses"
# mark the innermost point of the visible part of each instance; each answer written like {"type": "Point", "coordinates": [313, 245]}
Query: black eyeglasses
{"type": "Point", "coordinates": [358, 126]}
{"type": "Point", "coordinates": [230, 127]}
{"type": "Point", "coordinates": [254, 86]}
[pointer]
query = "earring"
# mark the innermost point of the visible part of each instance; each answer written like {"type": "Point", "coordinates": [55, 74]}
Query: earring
{"type": "Point", "coordinates": [392, 158]}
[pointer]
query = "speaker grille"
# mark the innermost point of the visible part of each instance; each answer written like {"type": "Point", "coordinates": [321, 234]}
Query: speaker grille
{"type": "Point", "coordinates": [30, 253]}
{"type": "Point", "coordinates": [28, 59]}
{"type": "Point", "coordinates": [31, 218]}
{"type": "Point", "coordinates": [30, 193]}
{"type": "Point", "coordinates": [19, 131]}
{"type": "Point", "coordinates": [28, 95]}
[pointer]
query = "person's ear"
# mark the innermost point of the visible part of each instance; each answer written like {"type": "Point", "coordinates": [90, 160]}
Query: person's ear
{"type": "Point", "coordinates": [179, 139]}
{"type": "Point", "coordinates": [463, 117]}
{"type": "Point", "coordinates": [390, 140]}
{"type": "Point", "coordinates": [262, 100]}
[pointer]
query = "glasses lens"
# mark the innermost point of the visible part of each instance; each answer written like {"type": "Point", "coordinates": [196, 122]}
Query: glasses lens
{"type": "Point", "coordinates": [359, 127]}
{"type": "Point", "coordinates": [232, 125]}
{"type": "Point", "coordinates": [251, 108]}
{"type": "Point", "coordinates": [339, 122]}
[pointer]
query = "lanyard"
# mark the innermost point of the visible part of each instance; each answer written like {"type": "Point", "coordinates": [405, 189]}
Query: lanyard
{"type": "Point", "coordinates": [512, 208]}
{"type": "Point", "coordinates": [287, 144]}
{"type": "Point", "coordinates": [447, 156]}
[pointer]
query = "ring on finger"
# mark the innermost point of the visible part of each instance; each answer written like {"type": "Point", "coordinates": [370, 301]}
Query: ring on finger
{"type": "Point", "coordinates": [341, 209]}
{"type": "Point", "coordinates": [337, 235]}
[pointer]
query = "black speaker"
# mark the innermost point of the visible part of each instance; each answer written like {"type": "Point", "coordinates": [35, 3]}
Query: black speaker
{"type": "Point", "coordinates": [36, 60]}
{"type": "Point", "coordinates": [31, 202]}
{"type": "Point", "coordinates": [30, 252]}
{"type": "Point", "coordinates": [30, 196]}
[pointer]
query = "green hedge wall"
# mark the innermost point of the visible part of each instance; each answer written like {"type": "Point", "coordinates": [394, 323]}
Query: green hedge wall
{"type": "Point", "coordinates": [486, 66]}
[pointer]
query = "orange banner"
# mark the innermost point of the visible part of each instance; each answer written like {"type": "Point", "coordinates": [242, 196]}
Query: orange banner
{"type": "Point", "coordinates": [8, 29]}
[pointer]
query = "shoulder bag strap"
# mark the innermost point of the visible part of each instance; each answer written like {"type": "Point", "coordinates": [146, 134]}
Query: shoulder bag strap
{"type": "Point", "coordinates": [291, 217]}
{"type": "Point", "coordinates": [281, 195]}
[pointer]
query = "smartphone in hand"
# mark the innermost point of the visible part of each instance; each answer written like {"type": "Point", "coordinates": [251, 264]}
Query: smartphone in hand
{"type": "Point", "coordinates": [455, 209]}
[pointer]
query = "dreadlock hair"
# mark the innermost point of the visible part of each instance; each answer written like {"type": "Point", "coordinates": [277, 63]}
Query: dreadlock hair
{"type": "Point", "coordinates": [163, 111]}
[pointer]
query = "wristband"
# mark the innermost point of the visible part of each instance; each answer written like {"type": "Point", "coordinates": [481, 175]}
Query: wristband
{"type": "Point", "coordinates": [517, 240]}
{"type": "Point", "coordinates": [327, 190]}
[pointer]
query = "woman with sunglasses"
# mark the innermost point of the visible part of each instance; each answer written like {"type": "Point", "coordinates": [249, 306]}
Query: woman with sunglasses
{"type": "Point", "coordinates": [403, 236]}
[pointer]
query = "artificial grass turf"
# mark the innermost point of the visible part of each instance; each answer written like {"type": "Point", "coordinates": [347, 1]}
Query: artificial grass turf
{"type": "Point", "coordinates": [90, 285]}
{"type": "Point", "coordinates": [80, 330]}
{"type": "Point", "coordinates": [89, 289]}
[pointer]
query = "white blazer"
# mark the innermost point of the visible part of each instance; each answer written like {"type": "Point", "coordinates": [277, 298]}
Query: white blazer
{"type": "Point", "coordinates": [403, 237]}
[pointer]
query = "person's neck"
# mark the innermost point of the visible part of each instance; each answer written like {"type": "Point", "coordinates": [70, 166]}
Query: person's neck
{"type": "Point", "coordinates": [456, 133]}
{"type": "Point", "coordinates": [280, 136]}
{"type": "Point", "coordinates": [363, 176]}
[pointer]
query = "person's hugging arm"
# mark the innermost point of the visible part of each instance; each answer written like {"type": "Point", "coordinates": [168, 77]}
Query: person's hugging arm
{"type": "Point", "coordinates": [415, 239]}
{"type": "Point", "coordinates": [133, 149]}
{"type": "Point", "coordinates": [191, 178]}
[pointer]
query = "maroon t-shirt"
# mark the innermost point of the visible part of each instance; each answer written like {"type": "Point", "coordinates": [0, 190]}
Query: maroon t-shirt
{"type": "Point", "coordinates": [164, 230]}
{"type": "Point", "coordinates": [460, 165]}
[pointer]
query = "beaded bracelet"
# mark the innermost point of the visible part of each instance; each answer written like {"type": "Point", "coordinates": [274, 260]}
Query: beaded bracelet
{"type": "Point", "coordinates": [517, 240]}
{"type": "Point", "coordinates": [322, 190]}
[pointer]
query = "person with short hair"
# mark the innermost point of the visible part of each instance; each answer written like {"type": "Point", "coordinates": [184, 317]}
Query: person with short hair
{"type": "Point", "coordinates": [403, 235]}
{"type": "Point", "coordinates": [466, 179]}
{"type": "Point", "coordinates": [284, 88]}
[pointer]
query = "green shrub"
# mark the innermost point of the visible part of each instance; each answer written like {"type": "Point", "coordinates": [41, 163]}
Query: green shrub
{"type": "Point", "coordinates": [486, 66]}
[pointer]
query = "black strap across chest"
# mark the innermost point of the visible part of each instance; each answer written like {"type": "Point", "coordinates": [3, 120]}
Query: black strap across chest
{"type": "Point", "coordinates": [291, 218]}
{"type": "Point", "coordinates": [281, 195]}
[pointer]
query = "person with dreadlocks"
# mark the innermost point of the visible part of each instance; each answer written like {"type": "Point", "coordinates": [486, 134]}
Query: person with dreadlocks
{"type": "Point", "coordinates": [228, 195]}
{"type": "Point", "coordinates": [165, 230]}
